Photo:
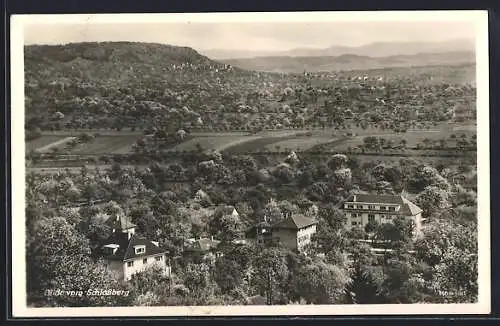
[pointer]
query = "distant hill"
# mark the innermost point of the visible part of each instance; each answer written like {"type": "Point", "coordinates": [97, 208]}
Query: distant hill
{"type": "Point", "coordinates": [379, 49]}
{"type": "Point", "coordinates": [348, 62]}
{"type": "Point", "coordinates": [116, 63]}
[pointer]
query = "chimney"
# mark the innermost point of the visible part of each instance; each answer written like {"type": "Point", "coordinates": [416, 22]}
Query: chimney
{"type": "Point", "coordinates": [354, 198]}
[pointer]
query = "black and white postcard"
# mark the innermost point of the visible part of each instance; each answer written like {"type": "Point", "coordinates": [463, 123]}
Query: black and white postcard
{"type": "Point", "coordinates": [299, 163]}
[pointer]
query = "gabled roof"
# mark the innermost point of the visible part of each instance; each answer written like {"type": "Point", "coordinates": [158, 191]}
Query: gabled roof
{"type": "Point", "coordinates": [203, 244]}
{"type": "Point", "coordinates": [412, 208]}
{"type": "Point", "coordinates": [126, 250]}
{"type": "Point", "coordinates": [407, 207]}
{"type": "Point", "coordinates": [120, 223]}
{"type": "Point", "coordinates": [383, 199]}
{"type": "Point", "coordinates": [224, 210]}
{"type": "Point", "coordinates": [295, 222]}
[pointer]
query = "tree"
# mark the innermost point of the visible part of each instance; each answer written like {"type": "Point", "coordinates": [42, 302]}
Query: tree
{"type": "Point", "coordinates": [338, 161]}
{"type": "Point", "coordinates": [228, 275]}
{"type": "Point", "coordinates": [371, 226]}
{"type": "Point", "coordinates": [401, 284]}
{"type": "Point", "coordinates": [432, 200]}
{"type": "Point", "coordinates": [271, 280]}
{"type": "Point", "coordinates": [427, 176]}
{"type": "Point", "coordinates": [97, 231]}
{"type": "Point", "coordinates": [400, 230]}
{"type": "Point", "coordinates": [272, 212]}
{"type": "Point", "coordinates": [150, 283]}
{"type": "Point", "coordinates": [230, 228]}
{"type": "Point", "coordinates": [450, 249]}
{"type": "Point", "coordinates": [343, 177]}
{"type": "Point", "coordinates": [333, 216]}
{"type": "Point", "coordinates": [455, 277]}
{"type": "Point", "coordinates": [367, 277]}
{"type": "Point", "coordinates": [58, 258]}
{"type": "Point", "coordinates": [322, 283]}
{"type": "Point", "coordinates": [197, 278]}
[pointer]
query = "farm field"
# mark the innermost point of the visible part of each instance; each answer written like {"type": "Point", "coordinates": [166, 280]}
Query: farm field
{"type": "Point", "coordinates": [57, 144]}
{"type": "Point", "coordinates": [119, 144]}
{"type": "Point", "coordinates": [412, 138]}
{"type": "Point", "coordinates": [213, 142]}
{"type": "Point", "coordinates": [42, 142]}
{"type": "Point", "coordinates": [234, 141]}
{"type": "Point", "coordinates": [299, 143]}
{"type": "Point", "coordinates": [237, 142]}
{"type": "Point", "coordinates": [107, 145]}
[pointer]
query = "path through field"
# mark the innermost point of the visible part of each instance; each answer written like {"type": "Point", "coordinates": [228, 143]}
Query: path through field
{"type": "Point", "coordinates": [46, 148]}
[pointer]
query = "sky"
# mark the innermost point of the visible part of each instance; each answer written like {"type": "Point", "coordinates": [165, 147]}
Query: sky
{"type": "Point", "coordinates": [255, 36]}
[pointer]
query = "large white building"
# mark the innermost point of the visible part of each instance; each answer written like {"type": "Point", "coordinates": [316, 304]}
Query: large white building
{"type": "Point", "coordinates": [126, 253]}
{"type": "Point", "coordinates": [360, 209]}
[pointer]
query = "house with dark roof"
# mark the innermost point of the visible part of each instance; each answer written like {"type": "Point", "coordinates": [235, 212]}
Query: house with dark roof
{"type": "Point", "coordinates": [293, 232]}
{"type": "Point", "coordinates": [127, 253]}
{"type": "Point", "coordinates": [360, 209]}
{"type": "Point", "coordinates": [200, 249]}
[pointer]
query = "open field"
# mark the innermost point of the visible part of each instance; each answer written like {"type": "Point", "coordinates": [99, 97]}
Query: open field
{"type": "Point", "coordinates": [412, 137]}
{"type": "Point", "coordinates": [56, 144]}
{"type": "Point", "coordinates": [213, 142]}
{"type": "Point", "coordinates": [41, 142]}
{"type": "Point", "coordinates": [119, 144]}
{"type": "Point", "coordinates": [328, 139]}
{"type": "Point", "coordinates": [300, 144]}
{"type": "Point", "coordinates": [107, 145]}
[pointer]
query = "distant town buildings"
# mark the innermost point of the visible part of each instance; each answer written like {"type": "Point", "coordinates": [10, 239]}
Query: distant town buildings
{"type": "Point", "coordinates": [126, 253]}
{"type": "Point", "coordinates": [360, 209]}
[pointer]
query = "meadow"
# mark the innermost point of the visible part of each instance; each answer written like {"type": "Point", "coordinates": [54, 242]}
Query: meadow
{"type": "Point", "coordinates": [118, 144]}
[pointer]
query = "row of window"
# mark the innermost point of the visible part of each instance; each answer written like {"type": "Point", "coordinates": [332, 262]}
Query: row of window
{"type": "Point", "coordinates": [372, 216]}
{"type": "Point", "coordinates": [144, 261]}
{"type": "Point", "coordinates": [372, 207]}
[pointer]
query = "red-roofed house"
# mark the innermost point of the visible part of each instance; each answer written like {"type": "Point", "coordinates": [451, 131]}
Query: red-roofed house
{"type": "Point", "coordinates": [126, 253]}
{"type": "Point", "coordinates": [362, 208]}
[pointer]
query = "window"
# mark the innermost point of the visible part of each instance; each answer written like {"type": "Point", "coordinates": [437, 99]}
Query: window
{"type": "Point", "coordinates": [382, 216]}
{"type": "Point", "coordinates": [145, 261]}
{"type": "Point", "coordinates": [158, 258]}
{"type": "Point", "coordinates": [354, 223]}
{"type": "Point", "coordinates": [392, 208]}
{"type": "Point", "coordinates": [371, 217]}
{"type": "Point", "coordinates": [354, 215]}
{"type": "Point", "coordinates": [140, 250]}
{"type": "Point", "coordinates": [350, 206]}
{"type": "Point", "coordinates": [360, 206]}
{"type": "Point", "coordinates": [383, 208]}
{"type": "Point", "coordinates": [371, 206]}
{"type": "Point", "coordinates": [130, 263]}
